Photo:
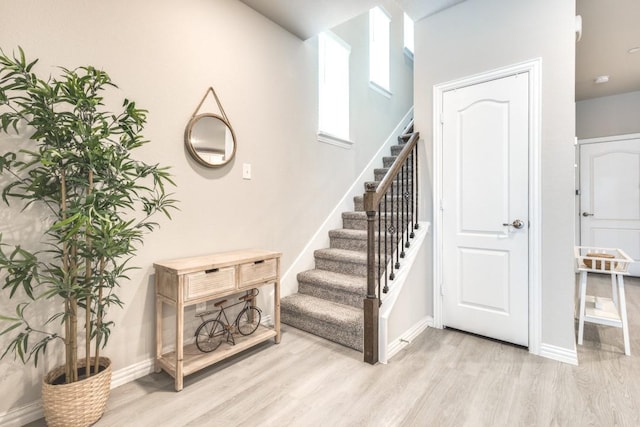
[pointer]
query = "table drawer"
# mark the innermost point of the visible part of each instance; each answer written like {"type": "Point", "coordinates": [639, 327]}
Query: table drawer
{"type": "Point", "coordinates": [258, 272]}
{"type": "Point", "coordinates": [208, 282]}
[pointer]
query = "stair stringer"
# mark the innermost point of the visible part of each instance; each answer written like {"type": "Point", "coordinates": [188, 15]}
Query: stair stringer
{"type": "Point", "coordinates": [395, 330]}
{"type": "Point", "coordinates": [320, 239]}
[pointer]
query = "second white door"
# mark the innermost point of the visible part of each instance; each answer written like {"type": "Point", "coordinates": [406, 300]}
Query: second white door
{"type": "Point", "coordinates": [610, 195]}
{"type": "Point", "coordinates": [485, 209]}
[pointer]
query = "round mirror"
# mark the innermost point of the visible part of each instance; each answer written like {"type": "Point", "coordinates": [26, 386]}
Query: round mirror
{"type": "Point", "coordinates": [210, 140]}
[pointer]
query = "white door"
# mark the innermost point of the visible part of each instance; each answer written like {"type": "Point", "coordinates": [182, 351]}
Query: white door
{"type": "Point", "coordinates": [485, 157]}
{"type": "Point", "coordinates": [610, 196]}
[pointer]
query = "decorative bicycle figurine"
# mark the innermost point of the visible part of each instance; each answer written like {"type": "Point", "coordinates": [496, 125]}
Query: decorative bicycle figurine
{"type": "Point", "coordinates": [212, 332]}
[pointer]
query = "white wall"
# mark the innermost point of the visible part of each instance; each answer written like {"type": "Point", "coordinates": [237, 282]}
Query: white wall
{"type": "Point", "coordinates": [608, 115]}
{"type": "Point", "coordinates": [164, 55]}
{"type": "Point", "coordinates": [480, 35]}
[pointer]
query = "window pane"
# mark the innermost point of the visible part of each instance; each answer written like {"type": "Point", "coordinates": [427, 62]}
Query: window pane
{"type": "Point", "coordinates": [333, 86]}
{"type": "Point", "coordinates": [379, 47]}
{"type": "Point", "coordinates": [408, 33]}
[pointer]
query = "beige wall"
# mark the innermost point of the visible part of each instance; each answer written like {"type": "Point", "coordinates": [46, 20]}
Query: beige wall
{"type": "Point", "coordinates": [480, 35]}
{"type": "Point", "coordinates": [608, 115]}
{"type": "Point", "coordinates": [164, 55]}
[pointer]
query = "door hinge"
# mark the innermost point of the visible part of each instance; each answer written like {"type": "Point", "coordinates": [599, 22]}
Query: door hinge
{"type": "Point", "coordinates": [577, 192]}
{"type": "Point", "coordinates": [441, 118]}
{"type": "Point", "coordinates": [441, 206]}
{"type": "Point", "coordinates": [441, 289]}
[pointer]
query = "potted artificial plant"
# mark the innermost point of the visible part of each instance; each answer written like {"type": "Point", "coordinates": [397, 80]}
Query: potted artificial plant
{"type": "Point", "coordinates": [79, 170]}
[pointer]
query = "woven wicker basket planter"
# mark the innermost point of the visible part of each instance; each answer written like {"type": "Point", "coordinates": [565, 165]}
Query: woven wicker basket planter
{"type": "Point", "coordinates": [81, 403]}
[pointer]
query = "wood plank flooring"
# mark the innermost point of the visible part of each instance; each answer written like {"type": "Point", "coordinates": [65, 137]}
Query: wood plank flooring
{"type": "Point", "coordinates": [444, 378]}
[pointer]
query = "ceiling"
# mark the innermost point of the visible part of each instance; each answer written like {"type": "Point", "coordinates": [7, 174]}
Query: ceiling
{"type": "Point", "coordinates": [306, 18]}
{"type": "Point", "coordinates": [609, 29]}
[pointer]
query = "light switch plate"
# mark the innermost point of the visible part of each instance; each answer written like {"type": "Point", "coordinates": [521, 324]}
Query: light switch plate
{"type": "Point", "coordinates": [246, 171]}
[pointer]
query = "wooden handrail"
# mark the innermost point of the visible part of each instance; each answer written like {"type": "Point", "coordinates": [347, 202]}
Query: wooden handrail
{"type": "Point", "coordinates": [374, 194]}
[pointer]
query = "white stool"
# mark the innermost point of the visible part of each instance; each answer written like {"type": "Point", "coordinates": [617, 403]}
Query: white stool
{"type": "Point", "coordinates": [604, 311]}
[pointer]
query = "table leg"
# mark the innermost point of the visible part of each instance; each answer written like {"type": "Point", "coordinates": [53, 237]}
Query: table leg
{"type": "Point", "coordinates": [583, 297]}
{"type": "Point", "coordinates": [614, 290]}
{"type": "Point", "coordinates": [623, 315]}
{"type": "Point", "coordinates": [157, 368]}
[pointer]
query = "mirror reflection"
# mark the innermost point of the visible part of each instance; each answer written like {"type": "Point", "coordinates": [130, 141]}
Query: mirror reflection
{"type": "Point", "coordinates": [210, 140]}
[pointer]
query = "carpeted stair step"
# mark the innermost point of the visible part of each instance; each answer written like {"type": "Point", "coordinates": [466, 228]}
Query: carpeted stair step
{"type": "Point", "coordinates": [396, 149]}
{"type": "Point", "coordinates": [336, 287]}
{"type": "Point", "coordinates": [336, 322]}
{"type": "Point", "coordinates": [358, 220]}
{"type": "Point", "coordinates": [342, 261]}
{"type": "Point", "coordinates": [351, 239]}
{"type": "Point", "coordinates": [380, 173]}
{"type": "Point", "coordinates": [387, 161]}
{"type": "Point", "coordinates": [358, 202]}
{"type": "Point", "coordinates": [395, 185]}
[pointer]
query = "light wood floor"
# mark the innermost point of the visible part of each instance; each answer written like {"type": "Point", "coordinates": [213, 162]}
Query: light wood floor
{"type": "Point", "coordinates": [444, 378]}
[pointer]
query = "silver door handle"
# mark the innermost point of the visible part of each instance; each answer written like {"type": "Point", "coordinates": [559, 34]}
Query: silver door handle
{"type": "Point", "coordinates": [518, 223]}
{"type": "Point", "coordinates": [586, 214]}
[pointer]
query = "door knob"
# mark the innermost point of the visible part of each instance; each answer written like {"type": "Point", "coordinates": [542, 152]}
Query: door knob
{"type": "Point", "coordinates": [586, 214]}
{"type": "Point", "coordinates": [518, 223]}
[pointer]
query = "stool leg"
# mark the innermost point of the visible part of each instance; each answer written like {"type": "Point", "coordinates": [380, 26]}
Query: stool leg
{"type": "Point", "coordinates": [583, 295]}
{"type": "Point", "coordinates": [623, 315]}
{"type": "Point", "coordinates": [614, 290]}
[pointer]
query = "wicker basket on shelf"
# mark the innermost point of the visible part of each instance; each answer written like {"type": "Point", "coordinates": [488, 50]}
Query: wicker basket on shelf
{"type": "Point", "coordinates": [598, 266]}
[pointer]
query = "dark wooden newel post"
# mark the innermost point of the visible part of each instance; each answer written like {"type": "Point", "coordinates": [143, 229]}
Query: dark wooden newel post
{"type": "Point", "coordinates": [371, 303]}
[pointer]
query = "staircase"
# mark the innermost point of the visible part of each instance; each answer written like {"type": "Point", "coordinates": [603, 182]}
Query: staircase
{"type": "Point", "coordinates": [329, 302]}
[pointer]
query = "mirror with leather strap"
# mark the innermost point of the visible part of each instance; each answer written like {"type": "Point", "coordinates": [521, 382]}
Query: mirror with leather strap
{"type": "Point", "coordinates": [209, 138]}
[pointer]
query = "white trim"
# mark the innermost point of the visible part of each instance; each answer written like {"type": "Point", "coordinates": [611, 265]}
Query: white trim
{"type": "Point", "coordinates": [403, 341]}
{"type": "Point", "coordinates": [23, 415]}
{"type": "Point", "coordinates": [611, 138]}
{"type": "Point", "coordinates": [132, 373]}
{"type": "Point", "coordinates": [327, 138]}
{"type": "Point", "coordinates": [560, 354]}
{"type": "Point", "coordinates": [386, 350]}
{"type": "Point", "coordinates": [407, 52]}
{"type": "Point", "coordinates": [381, 90]}
{"type": "Point", "coordinates": [534, 70]}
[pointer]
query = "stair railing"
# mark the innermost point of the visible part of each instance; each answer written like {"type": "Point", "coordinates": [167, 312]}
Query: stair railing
{"type": "Point", "coordinates": [392, 217]}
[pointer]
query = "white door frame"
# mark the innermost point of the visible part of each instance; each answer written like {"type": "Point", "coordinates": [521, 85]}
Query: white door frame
{"type": "Point", "coordinates": [533, 68]}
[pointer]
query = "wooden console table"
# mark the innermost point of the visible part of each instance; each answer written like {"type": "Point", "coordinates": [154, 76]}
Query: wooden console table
{"type": "Point", "coordinates": [188, 281]}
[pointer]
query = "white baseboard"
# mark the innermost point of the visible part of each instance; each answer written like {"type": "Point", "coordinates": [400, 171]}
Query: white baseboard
{"type": "Point", "coordinates": [33, 411]}
{"type": "Point", "coordinates": [132, 373]}
{"type": "Point", "coordinates": [21, 416]}
{"type": "Point", "coordinates": [559, 353]}
{"type": "Point", "coordinates": [406, 338]}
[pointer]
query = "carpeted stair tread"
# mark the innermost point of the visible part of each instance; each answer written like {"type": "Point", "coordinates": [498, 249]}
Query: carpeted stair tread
{"type": "Point", "coordinates": [348, 233]}
{"type": "Point", "coordinates": [343, 255]}
{"type": "Point", "coordinates": [336, 322]}
{"type": "Point", "coordinates": [396, 149]}
{"type": "Point", "coordinates": [335, 280]}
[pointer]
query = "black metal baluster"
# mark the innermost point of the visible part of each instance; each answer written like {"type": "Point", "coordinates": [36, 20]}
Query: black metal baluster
{"type": "Point", "coordinates": [392, 231]}
{"type": "Point", "coordinates": [386, 240]}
